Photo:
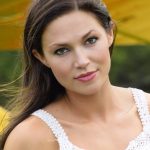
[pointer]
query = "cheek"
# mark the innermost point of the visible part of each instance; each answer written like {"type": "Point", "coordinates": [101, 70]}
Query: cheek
{"type": "Point", "coordinates": [105, 56]}
{"type": "Point", "coordinates": [102, 55]}
{"type": "Point", "coordinates": [60, 67]}
{"type": "Point", "coordinates": [60, 71]}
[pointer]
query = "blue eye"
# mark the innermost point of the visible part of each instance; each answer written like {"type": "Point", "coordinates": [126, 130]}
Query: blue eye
{"type": "Point", "coordinates": [91, 40]}
{"type": "Point", "coordinates": [61, 51]}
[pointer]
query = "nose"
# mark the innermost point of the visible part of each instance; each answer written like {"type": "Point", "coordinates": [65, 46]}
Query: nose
{"type": "Point", "coordinates": [81, 59]}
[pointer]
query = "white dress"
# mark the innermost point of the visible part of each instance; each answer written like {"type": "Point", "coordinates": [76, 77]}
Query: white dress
{"type": "Point", "coordinates": [141, 142]}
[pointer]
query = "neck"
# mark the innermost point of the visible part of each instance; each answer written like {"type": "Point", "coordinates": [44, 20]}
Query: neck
{"type": "Point", "coordinates": [103, 104]}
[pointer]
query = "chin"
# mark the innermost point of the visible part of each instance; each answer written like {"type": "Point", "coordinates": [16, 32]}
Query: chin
{"type": "Point", "coordinates": [89, 90]}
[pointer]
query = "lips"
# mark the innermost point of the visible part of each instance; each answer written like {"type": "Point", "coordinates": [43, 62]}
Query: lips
{"type": "Point", "coordinates": [87, 76]}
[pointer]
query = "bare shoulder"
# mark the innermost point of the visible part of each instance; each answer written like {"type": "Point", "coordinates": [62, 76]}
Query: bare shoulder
{"type": "Point", "coordinates": [31, 134]}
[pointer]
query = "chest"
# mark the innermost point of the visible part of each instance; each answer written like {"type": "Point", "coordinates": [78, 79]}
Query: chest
{"type": "Point", "coordinates": [101, 136]}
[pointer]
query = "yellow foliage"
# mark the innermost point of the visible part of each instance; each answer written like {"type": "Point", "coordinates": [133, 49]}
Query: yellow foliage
{"type": "Point", "coordinates": [3, 118]}
{"type": "Point", "coordinates": [131, 17]}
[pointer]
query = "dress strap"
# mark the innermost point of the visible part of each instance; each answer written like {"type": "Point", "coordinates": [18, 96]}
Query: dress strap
{"type": "Point", "coordinates": [56, 128]}
{"type": "Point", "coordinates": [142, 107]}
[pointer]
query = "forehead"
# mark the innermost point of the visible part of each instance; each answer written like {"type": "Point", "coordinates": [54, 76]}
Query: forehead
{"type": "Point", "coordinates": [74, 24]}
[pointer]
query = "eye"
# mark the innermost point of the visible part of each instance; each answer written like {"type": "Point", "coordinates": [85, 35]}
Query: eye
{"type": "Point", "coordinates": [61, 51]}
{"type": "Point", "coordinates": [91, 40]}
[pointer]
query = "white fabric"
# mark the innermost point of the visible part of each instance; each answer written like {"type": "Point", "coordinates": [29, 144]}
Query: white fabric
{"type": "Point", "coordinates": [141, 142]}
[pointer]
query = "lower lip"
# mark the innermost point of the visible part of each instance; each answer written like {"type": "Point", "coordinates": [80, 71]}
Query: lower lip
{"type": "Point", "coordinates": [87, 78]}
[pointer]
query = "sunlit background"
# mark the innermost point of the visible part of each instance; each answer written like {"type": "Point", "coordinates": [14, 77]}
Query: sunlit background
{"type": "Point", "coordinates": [131, 57]}
{"type": "Point", "coordinates": [131, 17]}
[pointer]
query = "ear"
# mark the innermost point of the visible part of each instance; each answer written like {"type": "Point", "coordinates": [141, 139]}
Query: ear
{"type": "Point", "coordinates": [110, 37]}
{"type": "Point", "coordinates": [110, 33]}
{"type": "Point", "coordinates": [40, 57]}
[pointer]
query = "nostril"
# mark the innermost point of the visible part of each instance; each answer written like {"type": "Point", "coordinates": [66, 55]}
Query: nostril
{"type": "Point", "coordinates": [81, 59]}
{"type": "Point", "coordinates": [81, 63]}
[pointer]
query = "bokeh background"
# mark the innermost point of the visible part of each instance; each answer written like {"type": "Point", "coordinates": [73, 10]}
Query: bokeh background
{"type": "Point", "coordinates": [131, 57]}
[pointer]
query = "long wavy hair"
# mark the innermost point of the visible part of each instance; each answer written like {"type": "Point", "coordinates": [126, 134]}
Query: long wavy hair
{"type": "Point", "coordinates": [39, 86]}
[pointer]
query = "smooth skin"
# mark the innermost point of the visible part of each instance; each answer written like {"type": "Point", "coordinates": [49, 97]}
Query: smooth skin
{"type": "Point", "coordinates": [94, 114]}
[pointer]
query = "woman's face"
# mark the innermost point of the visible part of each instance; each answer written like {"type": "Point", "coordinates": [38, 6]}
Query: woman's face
{"type": "Point", "coordinates": [76, 49]}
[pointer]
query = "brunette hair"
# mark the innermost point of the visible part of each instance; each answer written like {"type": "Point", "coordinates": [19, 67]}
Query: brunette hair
{"type": "Point", "coordinates": [39, 86]}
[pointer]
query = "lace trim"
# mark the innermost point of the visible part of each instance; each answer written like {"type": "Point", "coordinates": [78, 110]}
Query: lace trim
{"type": "Point", "coordinates": [142, 141]}
{"type": "Point", "coordinates": [142, 107]}
{"type": "Point", "coordinates": [57, 130]}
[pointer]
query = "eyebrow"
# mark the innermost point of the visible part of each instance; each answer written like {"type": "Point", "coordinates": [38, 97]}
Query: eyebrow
{"type": "Point", "coordinates": [64, 44]}
{"type": "Point", "coordinates": [87, 34]}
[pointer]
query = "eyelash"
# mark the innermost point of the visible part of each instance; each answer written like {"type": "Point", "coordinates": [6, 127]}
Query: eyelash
{"type": "Point", "coordinates": [91, 38]}
{"type": "Point", "coordinates": [61, 51]}
{"type": "Point", "coordinates": [64, 50]}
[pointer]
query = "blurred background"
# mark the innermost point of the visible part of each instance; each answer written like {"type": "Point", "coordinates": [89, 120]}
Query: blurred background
{"type": "Point", "coordinates": [131, 57]}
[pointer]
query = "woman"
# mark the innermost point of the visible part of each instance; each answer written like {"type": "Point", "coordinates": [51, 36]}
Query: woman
{"type": "Point", "coordinates": [68, 102]}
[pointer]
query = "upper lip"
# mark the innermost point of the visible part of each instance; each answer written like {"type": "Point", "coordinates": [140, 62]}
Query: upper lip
{"type": "Point", "coordinates": [85, 74]}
